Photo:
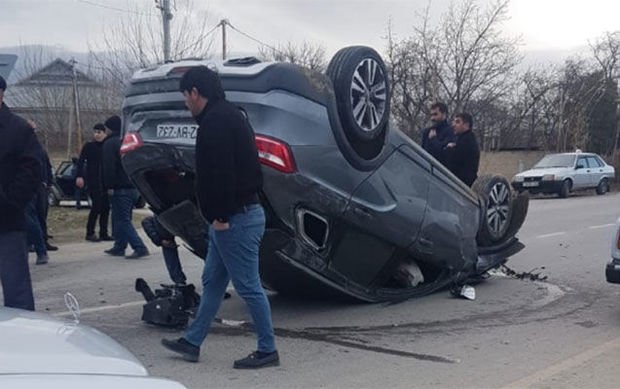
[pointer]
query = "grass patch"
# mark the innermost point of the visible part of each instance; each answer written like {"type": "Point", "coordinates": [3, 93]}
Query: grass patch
{"type": "Point", "coordinates": [68, 225]}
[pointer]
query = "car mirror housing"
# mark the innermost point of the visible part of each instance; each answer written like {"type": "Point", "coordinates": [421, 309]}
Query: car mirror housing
{"type": "Point", "coordinates": [579, 167]}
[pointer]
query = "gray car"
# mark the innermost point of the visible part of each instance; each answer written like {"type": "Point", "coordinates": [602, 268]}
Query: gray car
{"type": "Point", "coordinates": [566, 172]}
{"type": "Point", "coordinates": [354, 207]}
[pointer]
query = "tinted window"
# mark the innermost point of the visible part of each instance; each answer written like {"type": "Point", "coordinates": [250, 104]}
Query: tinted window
{"type": "Point", "coordinates": [593, 162]}
{"type": "Point", "coordinates": [583, 162]}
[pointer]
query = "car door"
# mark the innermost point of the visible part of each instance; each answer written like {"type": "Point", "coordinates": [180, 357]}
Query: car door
{"type": "Point", "coordinates": [65, 179]}
{"type": "Point", "coordinates": [582, 173]}
{"type": "Point", "coordinates": [596, 170]}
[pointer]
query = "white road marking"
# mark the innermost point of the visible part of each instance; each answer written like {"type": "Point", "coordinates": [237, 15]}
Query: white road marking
{"type": "Point", "coordinates": [102, 308]}
{"type": "Point", "coordinates": [550, 235]}
{"type": "Point", "coordinates": [601, 226]}
{"type": "Point", "coordinates": [569, 364]}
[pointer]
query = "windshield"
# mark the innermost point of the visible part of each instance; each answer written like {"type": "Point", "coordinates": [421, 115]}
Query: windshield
{"type": "Point", "coordinates": [556, 160]}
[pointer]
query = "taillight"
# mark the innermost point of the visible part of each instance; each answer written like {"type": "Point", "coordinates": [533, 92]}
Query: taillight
{"type": "Point", "coordinates": [618, 242]}
{"type": "Point", "coordinates": [275, 153]}
{"type": "Point", "coordinates": [131, 141]}
{"type": "Point", "coordinates": [180, 70]}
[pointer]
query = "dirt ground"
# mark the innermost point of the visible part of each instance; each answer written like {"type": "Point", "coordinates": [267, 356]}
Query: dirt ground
{"type": "Point", "coordinates": [68, 225]}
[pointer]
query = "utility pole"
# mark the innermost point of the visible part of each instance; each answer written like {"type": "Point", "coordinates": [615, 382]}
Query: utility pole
{"type": "Point", "coordinates": [223, 23]}
{"type": "Point", "coordinates": [615, 149]}
{"type": "Point", "coordinates": [76, 104]}
{"type": "Point", "coordinates": [166, 15]}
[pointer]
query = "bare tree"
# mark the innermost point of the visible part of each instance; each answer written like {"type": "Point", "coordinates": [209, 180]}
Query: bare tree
{"type": "Point", "coordinates": [306, 54]}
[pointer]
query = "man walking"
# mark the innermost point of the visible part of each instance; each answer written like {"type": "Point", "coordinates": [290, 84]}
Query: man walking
{"type": "Point", "coordinates": [123, 195]}
{"type": "Point", "coordinates": [228, 179]}
{"type": "Point", "coordinates": [436, 137]}
{"type": "Point", "coordinates": [463, 155]}
{"type": "Point", "coordinates": [20, 174]}
{"type": "Point", "coordinates": [91, 157]}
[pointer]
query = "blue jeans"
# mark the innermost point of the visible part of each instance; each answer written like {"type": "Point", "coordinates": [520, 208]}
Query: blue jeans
{"type": "Point", "coordinates": [233, 255]}
{"type": "Point", "coordinates": [36, 237]}
{"type": "Point", "coordinates": [173, 264]}
{"type": "Point", "coordinates": [122, 202]}
{"type": "Point", "coordinates": [14, 271]}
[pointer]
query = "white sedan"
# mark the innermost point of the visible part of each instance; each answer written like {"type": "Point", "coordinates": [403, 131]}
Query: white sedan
{"type": "Point", "coordinates": [39, 351]}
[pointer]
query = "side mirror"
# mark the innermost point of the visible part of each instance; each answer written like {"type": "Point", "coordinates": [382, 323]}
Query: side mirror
{"type": "Point", "coordinates": [579, 167]}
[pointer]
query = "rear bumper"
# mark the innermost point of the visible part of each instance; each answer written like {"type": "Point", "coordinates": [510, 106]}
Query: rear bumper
{"type": "Point", "coordinates": [542, 187]}
{"type": "Point", "coordinates": [612, 271]}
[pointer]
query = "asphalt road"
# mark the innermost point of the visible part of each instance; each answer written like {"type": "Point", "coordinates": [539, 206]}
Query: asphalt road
{"type": "Point", "coordinates": [561, 332]}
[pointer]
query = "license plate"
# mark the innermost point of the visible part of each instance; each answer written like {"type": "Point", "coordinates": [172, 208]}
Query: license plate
{"type": "Point", "coordinates": [530, 184]}
{"type": "Point", "coordinates": [177, 131]}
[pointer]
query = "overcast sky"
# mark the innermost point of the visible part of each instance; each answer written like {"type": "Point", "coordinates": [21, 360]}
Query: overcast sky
{"type": "Point", "coordinates": [73, 24]}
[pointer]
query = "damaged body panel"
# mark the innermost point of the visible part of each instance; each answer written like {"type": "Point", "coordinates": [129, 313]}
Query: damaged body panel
{"type": "Point", "coordinates": [354, 208]}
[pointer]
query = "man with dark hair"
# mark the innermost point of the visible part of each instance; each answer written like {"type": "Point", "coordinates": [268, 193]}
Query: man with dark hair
{"type": "Point", "coordinates": [91, 157]}
{"type": "Point", "coordinates": [123, 195]}
{"type": "Point", "coordinates": [436, 137]}
{"type": "Point", "coordinates": [20, 174]}
{"type": "Point", "coordinates": [463, 155]}
{"type": "Point", "coordinates": [228, 179]}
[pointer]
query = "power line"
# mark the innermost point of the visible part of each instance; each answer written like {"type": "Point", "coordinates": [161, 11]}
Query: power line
{"type": "Point", "coordinates": [94, 4]}
{"type": "Point", "coordinates": [200, 38]}
{"type": "Point", "coordinates": [254, 39]}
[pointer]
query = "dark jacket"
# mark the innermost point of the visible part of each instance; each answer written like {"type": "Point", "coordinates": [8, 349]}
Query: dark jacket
{"type": "Point", "coordinates": [464, 158]}
{"type": "Point", "coordinates": [228, 174]}
{"type": "Point", "coordinates": [435, 146]}
{"type": "Point", "coordinates": [89, 165]}
{"type": "Point", "coordinates": [114, 176]}
{"type": "Point", "coordinates": [47, 175]}
{"type": "Point", "coordinates": [20, 170]}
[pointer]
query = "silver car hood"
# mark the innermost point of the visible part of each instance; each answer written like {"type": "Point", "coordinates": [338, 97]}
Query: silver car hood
{"type": "Point", "coordinates": [542, 172]}
{"type": "Point", "coordinates": [35, 343]}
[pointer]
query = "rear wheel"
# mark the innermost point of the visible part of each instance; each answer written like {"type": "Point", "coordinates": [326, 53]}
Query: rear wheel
{"type": "Point", "coordinates": [603, 187]}
{"type": "Point", "coordinates": [565, 189]}
{"type": "Point", "coordinates": [497, 207]}
{"type": "Point", "coordinates": [361, 88]}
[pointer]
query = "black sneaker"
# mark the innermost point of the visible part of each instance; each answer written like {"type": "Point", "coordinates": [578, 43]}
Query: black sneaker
{"type": "Point", "coordinates": [50, 247]}
{"type": "Point", "coordinates": [257, 360]}
{"type": "Point", "coordinates": [92, 238]}
{"type": "Point", "coordinates": [188, 351]}
{"type": "Point", "coordinates": [138, 254]}
{"type": "Point", "coordinates": [106, 238]}
{"type": "Point", "coordinates": [115, 252]}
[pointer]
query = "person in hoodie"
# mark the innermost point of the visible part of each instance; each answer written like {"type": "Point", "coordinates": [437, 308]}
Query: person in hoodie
{"type": "Point", "coordinates": [436, 137]}
{"type": "Point", "coordinates": [20, 175]}
{"type": "Point", "coordinates": [123, 195]}
{"type": "Point", "coordinates": [89, 175]}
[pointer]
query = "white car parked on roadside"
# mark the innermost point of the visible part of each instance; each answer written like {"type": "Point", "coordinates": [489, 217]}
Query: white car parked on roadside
{"type": "Point", "coordinates": [39, 351]}
{"type": "Point", "coordinates": [564, 173]}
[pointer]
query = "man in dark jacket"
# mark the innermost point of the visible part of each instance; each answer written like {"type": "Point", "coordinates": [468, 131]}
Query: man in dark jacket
{"type": "Point", "coordinates": [123, 195]}
{"type": "Point", "coordinates": [463, 155]}
{"type": "Point", "coordinates": [89, 166]}
{"type": "Point", "coordinates": [20, 174]}
{"type": "Point", "coordinates": [228, 179]}
{"type": "Point", "coordinates": [436, 137]}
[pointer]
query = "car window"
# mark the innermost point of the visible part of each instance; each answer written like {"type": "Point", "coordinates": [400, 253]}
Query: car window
{"type": "Point", "coordinates": [583, 162]}
{"type": "Point", "coordinates": [556, 160]}
{"type": "Point", "coordinates": [67, 170]}
{"type": "Point", "coordinates": [592, 161]}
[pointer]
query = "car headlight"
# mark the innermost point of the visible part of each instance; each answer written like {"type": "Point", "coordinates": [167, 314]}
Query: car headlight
{"type": "Point", "coordinates": [548, 177]}
{"type": "Point", "coordinates": [518, 179]}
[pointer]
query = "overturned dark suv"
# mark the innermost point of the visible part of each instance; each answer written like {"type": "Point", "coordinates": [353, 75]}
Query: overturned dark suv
{"type": "Point", "coordinates": [354, 207]}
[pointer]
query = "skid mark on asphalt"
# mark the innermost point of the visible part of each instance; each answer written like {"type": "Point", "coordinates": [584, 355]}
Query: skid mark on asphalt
{"type": "Point", "coordinates": [569, 364]}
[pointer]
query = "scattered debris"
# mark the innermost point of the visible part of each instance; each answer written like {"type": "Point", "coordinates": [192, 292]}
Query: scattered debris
{"type": "Point", "coordinates": [532, 275]}
{"type": "Point", "coordinates": [465, 291]}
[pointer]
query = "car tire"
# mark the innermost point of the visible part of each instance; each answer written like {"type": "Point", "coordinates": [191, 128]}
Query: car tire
{"type": "Point", "coordinates": [362, 92]}
{"type": "Point", "coordinates": [496, 200]}
{"type": "Point", "coordinates": [567, 185]}
{"type": "Point", "coordinates": [52, 199]}
{"type": "Point", "coordinates": [603, 187]}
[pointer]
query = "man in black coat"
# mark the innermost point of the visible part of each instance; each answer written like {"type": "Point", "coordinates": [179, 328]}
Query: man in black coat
{"type": "Point", "coordinates": [463, 155]}
{"type": "Point", "coordinates": [436, 137]}
{"type": "Point", "coordinates": [20, 175]}
{"type": "Point", "coordinates": [228, 180]}
{"type": "Point", "coordinates": [89, 173]}
{"type": "Point", "coordinates": [123, 195]}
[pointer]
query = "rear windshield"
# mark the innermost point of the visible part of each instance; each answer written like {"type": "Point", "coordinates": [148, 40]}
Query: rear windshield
{"type": "Point", "coordinates": [556, 160]}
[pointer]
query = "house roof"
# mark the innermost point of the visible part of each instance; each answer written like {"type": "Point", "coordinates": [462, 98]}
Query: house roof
{"type": "Point", "coordinates": [57, 73]}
